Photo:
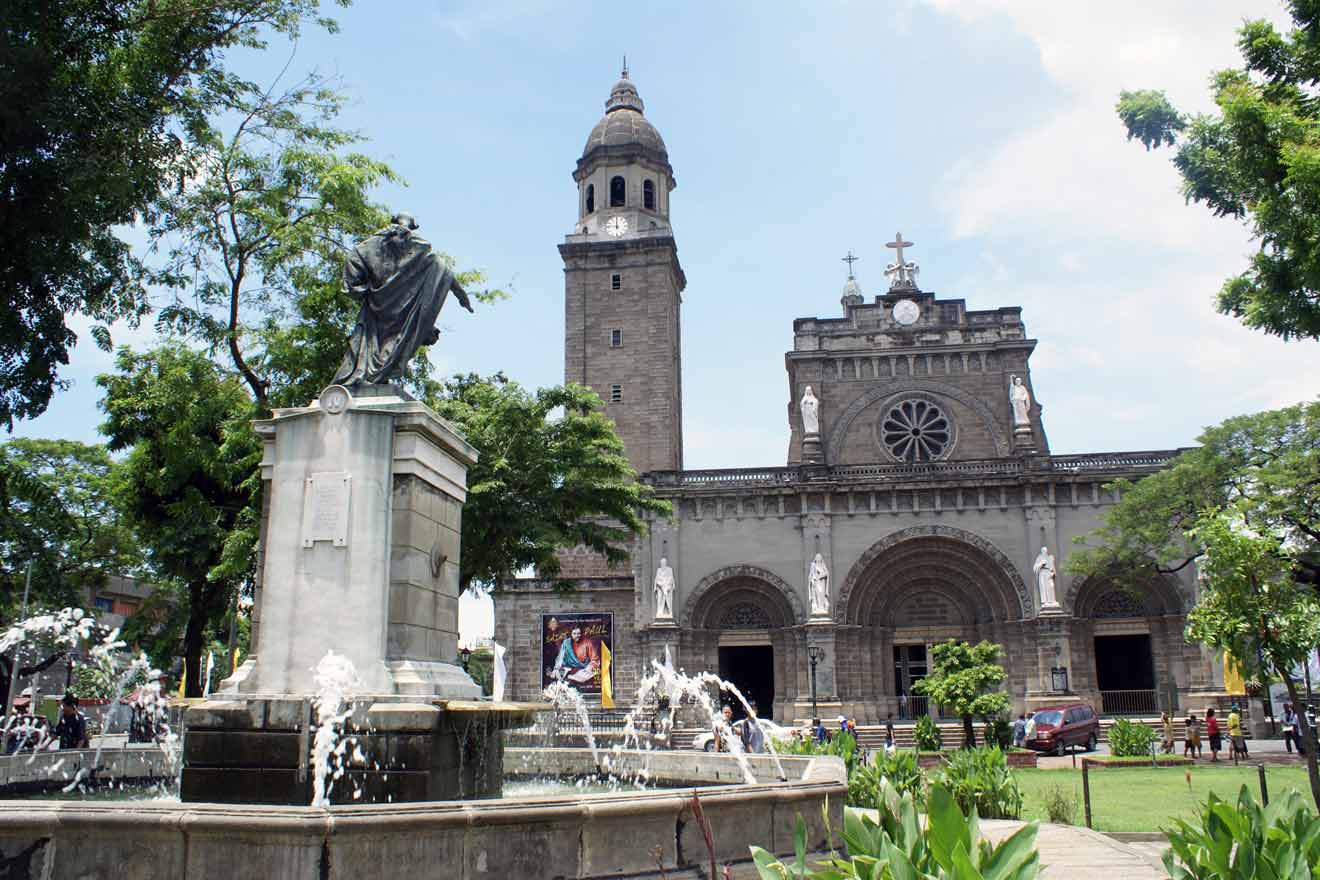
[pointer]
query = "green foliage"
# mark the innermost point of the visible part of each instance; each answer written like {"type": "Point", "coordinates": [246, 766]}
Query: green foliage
{"type": "Point", "coordinates": [964, 680]}
{"type": "Point", "coordinates": [1130, 738]}
{"type": "Point", "coordinates": [980, 779]}
{"type": "Point", "coordinates": [1245, 506]}
{"type": "Point", "coordinates": [1256, 159]}
{"type": "Point", "coordinates": [899, 770]}
{"type": "Point", "coordinates": [96, 99]}
{"type": "Point", "coordinates": [1061, 805]}
{"type": "Point", "coordinates": [551, 475]}
{"type": "Point", "coordinates": [1247, 842]}
{"type": "Point", "coordinates": [57, 511]}
{"type": "Point", "coordinates": [171, 409]}
{"type": "Point", "coordinates": [927, 735]}
{"type": "Point", "coordinates": [897, 847]}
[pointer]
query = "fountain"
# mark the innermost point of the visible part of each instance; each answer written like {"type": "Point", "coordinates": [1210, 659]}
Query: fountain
{"type": "Point", "coordinates": [350, 744]}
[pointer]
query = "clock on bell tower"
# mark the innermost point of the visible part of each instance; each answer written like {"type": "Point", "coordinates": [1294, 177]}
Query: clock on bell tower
{"type": "Point", "coordinates": [623, 283]}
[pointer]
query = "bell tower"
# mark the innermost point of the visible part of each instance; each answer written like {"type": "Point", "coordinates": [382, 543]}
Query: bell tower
{"type": "Point", "coordinates": [623, 283]}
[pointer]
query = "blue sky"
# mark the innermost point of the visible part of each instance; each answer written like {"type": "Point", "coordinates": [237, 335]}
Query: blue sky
{"type": "Point", "coordinates": [983, 129]}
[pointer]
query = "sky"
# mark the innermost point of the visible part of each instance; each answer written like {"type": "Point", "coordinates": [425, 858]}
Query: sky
{"type": "Point", "coordinates": [984, 130]}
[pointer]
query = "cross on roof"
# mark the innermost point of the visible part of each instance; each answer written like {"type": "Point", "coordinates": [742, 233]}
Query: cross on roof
{"type": "Point", "coordinates": [898, 244]}
{"type": "Point", "coordinates": [850, 259]}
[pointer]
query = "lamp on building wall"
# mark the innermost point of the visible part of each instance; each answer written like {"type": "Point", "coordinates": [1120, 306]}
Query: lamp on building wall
{"type": "Point", "coordinates": [815, 654]}
{"type": "Point", "coordinates": [465, 654]}
{"type": "Point", "coordinates": [1059, 679]}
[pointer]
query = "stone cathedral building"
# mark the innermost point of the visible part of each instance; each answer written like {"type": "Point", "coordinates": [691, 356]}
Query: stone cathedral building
{"type": "Point", "coordinates": [918, 492]}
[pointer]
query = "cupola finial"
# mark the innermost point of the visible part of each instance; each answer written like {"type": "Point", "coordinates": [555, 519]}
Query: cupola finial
{"type": "Point", "coordinates": [625, 67]}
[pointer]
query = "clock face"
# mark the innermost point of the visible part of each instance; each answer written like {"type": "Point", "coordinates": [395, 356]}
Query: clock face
{"type": "Point", "coordinates": [617, 226]}
{"type": "Point", "coordinates": [906, 311]}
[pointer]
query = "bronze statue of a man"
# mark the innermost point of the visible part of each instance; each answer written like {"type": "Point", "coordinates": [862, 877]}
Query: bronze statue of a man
{"type": "Point", "coordinates": [402, 284]}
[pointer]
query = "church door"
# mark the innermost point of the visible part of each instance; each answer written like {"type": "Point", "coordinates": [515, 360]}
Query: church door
{"type": "Point", "coordinates": [750, 668]}
{"type": "Point", "coordinates": [910, 666]}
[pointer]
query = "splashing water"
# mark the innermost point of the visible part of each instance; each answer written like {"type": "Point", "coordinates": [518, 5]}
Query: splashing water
{"type": "Point", "coordinates": [335, 679]}
{"type": "Point", "coordinates": [561, 694]}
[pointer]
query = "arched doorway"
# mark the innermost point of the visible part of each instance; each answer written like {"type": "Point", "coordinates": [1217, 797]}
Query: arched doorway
{"type": "Point", "coordinates": [740, 621]}
{"type": "Point", "coordinates": [1124, 626]}
{"type": "Point", "coordinates": [912, 590]}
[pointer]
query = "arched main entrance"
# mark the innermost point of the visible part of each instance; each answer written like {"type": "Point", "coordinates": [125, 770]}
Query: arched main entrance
{"type": "Point", "coordinates": [912, 590]}
{"type": "Point", "coordinates": [740, 621]}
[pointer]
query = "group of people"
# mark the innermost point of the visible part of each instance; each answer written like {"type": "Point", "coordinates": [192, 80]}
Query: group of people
{"type": "Point", "coordinates": [1214, 734]}
{"type": "Point", "coordinates": [1024, 728]}
{"type": "Point", "coordinates": [750, 735]}
{"type": "Point", "coordinates": [30, 732]}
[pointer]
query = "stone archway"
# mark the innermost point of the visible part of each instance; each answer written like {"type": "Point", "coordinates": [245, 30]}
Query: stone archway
{"type": "Point", "coordinates": [741, 621]}
{"type": "Point", "coordinates": [700, 609]}
{"type": "Point", "coordinates": [936, 555]}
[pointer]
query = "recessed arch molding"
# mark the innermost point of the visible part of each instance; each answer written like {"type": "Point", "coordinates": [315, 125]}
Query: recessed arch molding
{"type": "Point", "coordinates": [704, 596]}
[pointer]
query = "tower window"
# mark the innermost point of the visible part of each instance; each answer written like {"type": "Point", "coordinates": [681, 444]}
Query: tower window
{"type": "Point", "coordinates": [618, 192]}
{"type": "Point", "coordinates": [616, 339]}
{"type": "Point", "coordinates": [591, 197]}
{"type": "Point", "coordinates": [616, 394]}
{"type": "Point", "coordinates": [648, 195]}
{"type": "Point", "coordinates": [616, 281]}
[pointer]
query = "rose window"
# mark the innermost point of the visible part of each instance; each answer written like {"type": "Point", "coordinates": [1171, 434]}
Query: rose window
{"type": "Point", "coordinates": [916, 431]}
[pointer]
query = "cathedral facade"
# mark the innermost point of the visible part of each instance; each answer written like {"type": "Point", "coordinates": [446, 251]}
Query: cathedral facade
{"type": "Point", "coordinates": [919, 499]}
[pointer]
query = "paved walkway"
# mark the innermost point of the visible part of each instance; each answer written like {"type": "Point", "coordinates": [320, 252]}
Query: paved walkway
{"type": "Point", "coordinates": [1070, 852]}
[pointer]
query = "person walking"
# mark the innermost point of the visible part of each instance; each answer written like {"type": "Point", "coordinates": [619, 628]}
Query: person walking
{"type": "Point", "coordinates": [1235, 738]}
{"type": "Point", "coordinates": [818, 732]}
{"type": "Point", "coordinates": [1020, 731]}
{"type": "Point", "coordinates": [1291, 734]}
{"type": "Point", "coordinates": [890, 741]}
{"type": "Point", "coordinates": [753, 737]}
{"type": "Point", "coordinates": [1212, 734]}
{"type": "Point", "coordinates": [1192, 745]}
{"type": "Point", "coordinates": [902, 706]}
{"type": "Point", "coordinates": [1166, 723]}
{"type": "Point", "coordinates": [1029, 732]}
{"type": "Point", "coordinates": [724, 729]}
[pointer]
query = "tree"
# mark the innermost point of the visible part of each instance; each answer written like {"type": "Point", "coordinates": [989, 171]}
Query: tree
{"type": "Point", "coordinates": [1258, 160]}
{"type": "Point", "coordinates": [964, 680]}
{"type": "Point", "coordinates": [545, 481]}
{"type": "Point", "coordinates": [96, 99]}
{"type": "Point", "coordinates": [1245, 508]}
{"type": "Point", "coordinates": [58, 515]}
{"type": "Point", "coordinates": [172, 410]}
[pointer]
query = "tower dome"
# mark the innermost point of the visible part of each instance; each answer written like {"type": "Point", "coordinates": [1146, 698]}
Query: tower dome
{"type": "Point", "coordinates": [624, 127]}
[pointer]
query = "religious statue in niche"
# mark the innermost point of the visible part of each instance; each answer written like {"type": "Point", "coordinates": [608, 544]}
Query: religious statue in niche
{"type": "Point", "coordinates": [664, 591]}
{"type": "Point", "coordinates": [1044, 569]}
{"type": "Point", "coordinates": [810, 407]}
{"type": "Point", "coordinates": [818, 579]}
{"type": "Point", "coordinates": [402, 284]}
{"type": "Point", "coordinates": [1020, 398]}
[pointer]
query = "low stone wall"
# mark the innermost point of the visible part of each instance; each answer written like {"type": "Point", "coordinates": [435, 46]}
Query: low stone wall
{"type": "Point", "coordinates": [1016, 759]}
{"type": "Point", "coordinates": [586, 836]}
{"type": "Point", "coordinates": [36, 772]}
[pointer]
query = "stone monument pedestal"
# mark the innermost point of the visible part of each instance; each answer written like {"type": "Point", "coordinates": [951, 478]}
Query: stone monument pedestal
{"type": "Point", "coordinates": [812, 453]}
{"type": "Point", "coordinates": [359, 551]}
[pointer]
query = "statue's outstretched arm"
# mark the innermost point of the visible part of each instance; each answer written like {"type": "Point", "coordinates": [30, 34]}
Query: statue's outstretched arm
{"type": "Point", "coordinates": [461, 295]}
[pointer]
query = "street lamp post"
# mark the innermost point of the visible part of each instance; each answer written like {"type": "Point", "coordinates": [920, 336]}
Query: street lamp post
{"type": "Point", "coordinates": [815, 654]}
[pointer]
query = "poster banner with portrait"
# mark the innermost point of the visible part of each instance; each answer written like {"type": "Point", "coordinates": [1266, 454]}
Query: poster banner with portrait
{"type": "Point", "coordinates": [577, 649]}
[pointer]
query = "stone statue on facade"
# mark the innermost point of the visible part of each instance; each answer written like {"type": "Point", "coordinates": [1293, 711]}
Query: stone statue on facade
{"type": "Point", "coordinates": [402, 284]}
{"type": "Point", "coordinates": [818, 579]}
{"type": "Point", "coordinates": [664, 591]}
{"type": "Point", "coordinates": [1020, 398]}
{"type": "Point", "coordinates": [810, 407]}
{"type": "Point", "coordinates": [1044, 569]}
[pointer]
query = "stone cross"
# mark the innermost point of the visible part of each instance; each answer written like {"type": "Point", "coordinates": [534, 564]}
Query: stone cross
{"type": "Point", "coordinates": [902, 273]}
{"type": "Point", "coordinates": [898, 244]}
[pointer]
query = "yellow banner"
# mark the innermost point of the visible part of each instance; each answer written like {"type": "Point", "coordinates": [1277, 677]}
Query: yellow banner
{"type": "Point", "coordinates": [606, 681]}
{"type": "Point", "coordinates": [1234, 683]}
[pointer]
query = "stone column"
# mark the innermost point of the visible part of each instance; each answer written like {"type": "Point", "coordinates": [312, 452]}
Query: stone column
{"type": "Point", "coordinates": [1053, 648]}
{"type": "Point", "coordinates": [361, 547]}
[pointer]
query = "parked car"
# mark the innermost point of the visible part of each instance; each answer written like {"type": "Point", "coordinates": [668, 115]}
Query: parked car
{"type": "Point", "coordinates": [705, 742]}
{"type": "Point", "coordinates": [1058, 727]}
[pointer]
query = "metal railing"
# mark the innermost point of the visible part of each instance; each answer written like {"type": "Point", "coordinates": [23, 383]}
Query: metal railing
{"type": "Point", "coordinates": [1141, 702]}
{"type": "Point", "coordinates": [602, 721]}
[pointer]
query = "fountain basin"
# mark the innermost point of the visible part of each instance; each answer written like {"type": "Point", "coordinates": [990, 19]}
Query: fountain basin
{"type": "Point", "coordinates": [571, 835]}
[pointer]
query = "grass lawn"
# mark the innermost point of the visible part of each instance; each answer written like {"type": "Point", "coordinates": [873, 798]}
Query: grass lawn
{"type": "Point", "coordinates": [1149, 799]}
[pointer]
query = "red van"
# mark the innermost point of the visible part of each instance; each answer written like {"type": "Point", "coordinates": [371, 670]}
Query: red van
{"type": "Point", "coordinates": [1057, 727]}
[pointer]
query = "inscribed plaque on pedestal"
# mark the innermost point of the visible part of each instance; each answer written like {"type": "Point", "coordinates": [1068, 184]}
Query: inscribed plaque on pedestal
{"type": "Point", "coordinates": [325, 508]}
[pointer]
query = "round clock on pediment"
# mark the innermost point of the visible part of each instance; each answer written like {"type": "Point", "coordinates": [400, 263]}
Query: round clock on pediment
{"type": "Point", "coordinates": [906, 312]}
{"type": "Point", "coordinates": [617, 226]}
